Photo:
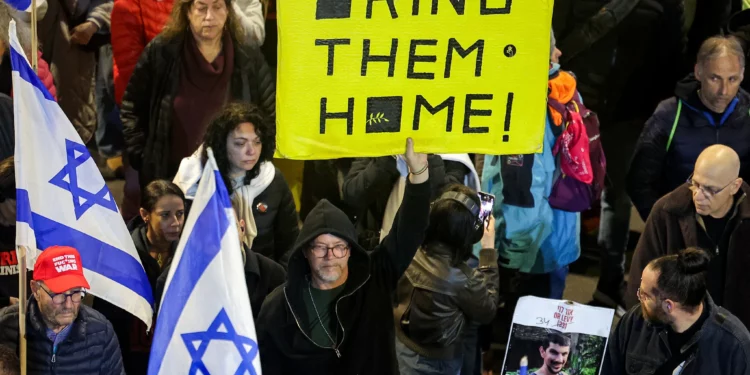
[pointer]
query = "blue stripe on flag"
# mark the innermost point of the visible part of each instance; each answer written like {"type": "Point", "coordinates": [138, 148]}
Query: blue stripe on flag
{"type": "Point", "coordinates": [27, 74]}
{"type": "Point", "coordinates": [23, 207]}
{"type": "Point", "coordinates": [96, 255]}
{"type": "Point", "coordinates": [22, 5]}
{"type": "Point", "coordinates": [201, 247]}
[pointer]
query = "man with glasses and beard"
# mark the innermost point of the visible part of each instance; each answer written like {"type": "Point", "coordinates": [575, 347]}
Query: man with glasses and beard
{"type": "Point", "coordinates": [554, 352]}
{"type": "Point", "coordinates": [678, 329]}
{"type": "Point", "coordinates": [334, 314]}
{"type": "Point", "coordinates": [63, 336]}
{"type": "Point", "coordinates": [711, 211]}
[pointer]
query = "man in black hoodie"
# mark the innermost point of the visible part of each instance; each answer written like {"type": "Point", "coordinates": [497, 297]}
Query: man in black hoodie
{"type": "Point", "coordinates": [708, 109]}
{"type": "Point", "coordinates": [334, 313]}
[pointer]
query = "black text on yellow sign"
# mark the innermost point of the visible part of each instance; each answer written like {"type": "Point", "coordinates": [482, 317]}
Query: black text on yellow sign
{"type": "Point", "coordinates": [356, 77]}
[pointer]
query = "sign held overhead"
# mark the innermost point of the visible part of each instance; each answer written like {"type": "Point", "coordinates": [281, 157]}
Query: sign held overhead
{"type": "Point", "coordinates": [356, 77]}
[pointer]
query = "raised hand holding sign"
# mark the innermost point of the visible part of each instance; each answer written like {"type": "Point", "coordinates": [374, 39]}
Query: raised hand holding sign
{"type": "Point", "coordinates": [417, 162]}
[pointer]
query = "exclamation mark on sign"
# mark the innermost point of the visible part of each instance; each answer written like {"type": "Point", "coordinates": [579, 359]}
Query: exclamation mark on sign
{"type": "Point", "coordinates": [508, 110]}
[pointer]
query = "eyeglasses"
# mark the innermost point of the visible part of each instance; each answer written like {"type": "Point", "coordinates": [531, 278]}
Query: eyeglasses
{"type": "Point", "coordinates": [642, 295]}
{"type": "Point", "coordinates": [708, 192]}
{"type": "Point", "coordinates": [320, 250]}
{"type": "Point", "coordinates": [59, 299]}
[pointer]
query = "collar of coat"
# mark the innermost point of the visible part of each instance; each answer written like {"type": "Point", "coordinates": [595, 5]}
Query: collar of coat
{"type": "Point", "coordinates": [714, 317]}
{"type": "Point", "coordinates": [39, 327]}
{"type": "Point", "coordinates": [172, 51]}
{"type": "Point", "coordinates": [680, 202]}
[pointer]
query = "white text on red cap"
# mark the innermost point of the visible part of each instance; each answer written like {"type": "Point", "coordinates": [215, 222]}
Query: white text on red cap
{"type": "Point", "coordinates": [65, 263]}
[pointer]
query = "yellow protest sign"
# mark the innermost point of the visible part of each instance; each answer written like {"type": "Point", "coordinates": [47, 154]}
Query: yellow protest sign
{"type": "Point", "coordinates": [356, 77]}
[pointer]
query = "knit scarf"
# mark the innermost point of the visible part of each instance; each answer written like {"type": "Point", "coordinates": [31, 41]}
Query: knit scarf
{"type": "Point", "coordinates": [191, 170]}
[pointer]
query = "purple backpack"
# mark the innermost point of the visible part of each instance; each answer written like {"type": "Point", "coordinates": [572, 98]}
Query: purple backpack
{"type": "Point", "coordinates": [568, 193]}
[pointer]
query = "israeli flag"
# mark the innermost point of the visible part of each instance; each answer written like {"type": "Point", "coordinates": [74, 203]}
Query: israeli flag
{"type": "Point", "coordinates": [62, 198]}
{"type": "Point", "coordinates": [205, 324]}
{"type": "Point", "coordinates": [23, 5]}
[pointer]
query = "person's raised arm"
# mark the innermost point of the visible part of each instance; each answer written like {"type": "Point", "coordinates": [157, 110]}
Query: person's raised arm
{"type": "Point", "coordinates": [395, 253]}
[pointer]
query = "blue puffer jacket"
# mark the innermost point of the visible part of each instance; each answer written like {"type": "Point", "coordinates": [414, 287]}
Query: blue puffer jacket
{"type": "Point", "coordinates": [670, 144]}
{"type": "Point", "coordinates": [91, 347]}
{"type": "Point", "coordinates": [531, 236]}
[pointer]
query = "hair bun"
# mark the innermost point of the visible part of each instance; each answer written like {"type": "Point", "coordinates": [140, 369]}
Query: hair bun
{"type": "Point", "coordinates": [692, 261]}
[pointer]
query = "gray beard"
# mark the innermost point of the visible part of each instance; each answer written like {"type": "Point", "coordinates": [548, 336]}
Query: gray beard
{"type": "Point", "coordinates": [328, 277]}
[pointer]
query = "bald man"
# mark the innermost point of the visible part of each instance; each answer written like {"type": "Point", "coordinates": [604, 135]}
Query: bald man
{"type": "Point", "coordinates": [710, 211]}
{"type": "Point", "coordinates": [709, 108]}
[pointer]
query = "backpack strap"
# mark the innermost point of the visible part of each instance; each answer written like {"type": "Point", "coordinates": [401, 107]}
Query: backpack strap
{"type": "Point", "coordinates": [674, 124]}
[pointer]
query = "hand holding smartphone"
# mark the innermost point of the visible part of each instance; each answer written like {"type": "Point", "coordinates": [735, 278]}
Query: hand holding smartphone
{"type": "Point", "coordinates": [488, 202]}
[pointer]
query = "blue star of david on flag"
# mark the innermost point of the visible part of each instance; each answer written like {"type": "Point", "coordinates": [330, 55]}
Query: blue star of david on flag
{"type": "Point", "coordinates": [246, 346]}
{"type": "Point", "coordinates": [82, 199]}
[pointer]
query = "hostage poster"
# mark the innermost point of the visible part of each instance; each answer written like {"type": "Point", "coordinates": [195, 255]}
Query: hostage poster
{"type": "Point", "coordinates": [553, 337]}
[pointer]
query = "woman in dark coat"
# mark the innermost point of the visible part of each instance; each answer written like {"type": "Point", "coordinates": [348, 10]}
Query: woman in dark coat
{"type": "Point", "coordinates": [185, 75]}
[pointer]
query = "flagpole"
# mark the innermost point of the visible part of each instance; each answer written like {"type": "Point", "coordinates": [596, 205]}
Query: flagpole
{"type": "Point", "coordinates": [22, 266]}
{"type": "Point", "coordinates": [22, 273]}
{"type": "Point", "coordinates": [34, 42]}
{"type": "Point", "coordinates": [22, 285]}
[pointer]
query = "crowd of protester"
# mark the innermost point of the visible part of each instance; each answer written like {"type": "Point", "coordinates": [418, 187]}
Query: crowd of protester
{"type": "Point", "coordinates": [385, 265]}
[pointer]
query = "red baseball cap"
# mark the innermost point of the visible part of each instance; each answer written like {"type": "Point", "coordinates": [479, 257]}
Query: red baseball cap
{"type": "Point", "coordinates": [60, 268]}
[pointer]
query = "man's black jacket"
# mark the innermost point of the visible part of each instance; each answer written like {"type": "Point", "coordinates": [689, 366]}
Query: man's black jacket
{"type": "Point", "coordinates": [721, 346]}
{"type": "Point", "coordinates": [366, 340]}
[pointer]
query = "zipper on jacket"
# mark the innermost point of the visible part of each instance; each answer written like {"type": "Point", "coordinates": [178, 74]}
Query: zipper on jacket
{"type": "Point", "coordinates": [343, 333]}
{"type": "Point", "coordinates": [303, 331]}
{"type": "Point", "coordinates": [336, 309]}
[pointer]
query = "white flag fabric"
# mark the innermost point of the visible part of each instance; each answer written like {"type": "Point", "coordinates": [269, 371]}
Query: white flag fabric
{"type": "Point", "coordinates": [205, 324]}
{"type": "Point", "coordinates": [62, 198]}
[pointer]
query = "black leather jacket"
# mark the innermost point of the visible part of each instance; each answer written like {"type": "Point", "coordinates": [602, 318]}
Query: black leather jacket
{"type": "Point", "coordinates": [436, 300]}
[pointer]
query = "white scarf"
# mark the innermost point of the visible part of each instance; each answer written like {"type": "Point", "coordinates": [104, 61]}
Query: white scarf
{"type": "Point", "coordinates": [397, 194]}
{"type": "Point", "coordinates": [191, 170]}
{"type": "Point", "coordinates": [243, 198]}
